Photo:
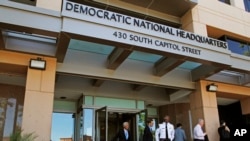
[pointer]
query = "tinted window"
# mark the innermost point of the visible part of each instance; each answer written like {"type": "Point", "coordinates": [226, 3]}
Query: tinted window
{"type": "Point", "coordinates": [11, 110]}
{"type": "Point", "coordinates": [28, 2]}
{"type": "Point", "coordinates": [238, 47]}
{"type": "Point", "coordinates": [225, 1]}
{"type": "Point", "coordinates": [87, 121]}
{"type": "Point", "coordinates": [247, 5]}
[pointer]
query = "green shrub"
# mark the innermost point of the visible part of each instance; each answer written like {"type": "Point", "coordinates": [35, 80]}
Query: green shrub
{"type": "Point", "coordinates": [19, 136]}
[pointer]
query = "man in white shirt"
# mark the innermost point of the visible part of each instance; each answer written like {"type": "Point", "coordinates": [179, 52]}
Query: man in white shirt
{"type": "Point", "coordinates": [199, 135]}
{"type": "Point", "coordinates": [165, 132]}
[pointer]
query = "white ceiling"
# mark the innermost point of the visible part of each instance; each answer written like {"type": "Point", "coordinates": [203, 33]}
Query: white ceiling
{"type": "Point", "coordinates": [74, 94]}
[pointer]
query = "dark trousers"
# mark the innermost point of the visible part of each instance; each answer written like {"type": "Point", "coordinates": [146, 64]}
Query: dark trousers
{"type": "Point", "coordinates": [164, 139]}
{"type": "Point", "coordinates": [198, 140]}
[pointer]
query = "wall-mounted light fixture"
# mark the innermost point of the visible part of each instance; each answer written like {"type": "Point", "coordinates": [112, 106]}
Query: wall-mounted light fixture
{"type": "Point", "coordinates": [38, 64]}
{"type": "Point", "coordinates": [212, 87]}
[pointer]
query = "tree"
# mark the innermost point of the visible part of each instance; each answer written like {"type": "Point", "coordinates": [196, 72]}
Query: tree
{"type": "Point", "coordinates": [19, 136]}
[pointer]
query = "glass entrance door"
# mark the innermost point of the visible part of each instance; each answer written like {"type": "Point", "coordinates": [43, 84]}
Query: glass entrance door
{"type": "Point", "coordinates": [116, 120]}
{"type": "Point", "coordinates": [109, 121]}
{"type": "Point", "coordinates": [101, 124]}
{"type": "Point", "coordinates": [141, 124]}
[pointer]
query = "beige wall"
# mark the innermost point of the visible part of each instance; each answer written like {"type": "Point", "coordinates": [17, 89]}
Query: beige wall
{"type": "Point", "coordinates": [39, 93]}
{"type": "Point", "coordinates": [179, 113]}
{"type": "Point", "coordinates": [50, 4]}
{"type": "Point", "coordinates": [245, 106]}
{"type": "Point", "coordinates": [218, 15]}
{"type": "Point", "coordinates": [190, 22]}
{"type": "Point", "coordinates": [40, 84]}
{"type": "Point", "coordinates": [39, 98]}
{"type": "Point", "coordinates": [203, 105]}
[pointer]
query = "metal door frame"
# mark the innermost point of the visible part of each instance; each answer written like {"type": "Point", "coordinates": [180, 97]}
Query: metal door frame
{"type": "Point", "coordinates": [97, 123]}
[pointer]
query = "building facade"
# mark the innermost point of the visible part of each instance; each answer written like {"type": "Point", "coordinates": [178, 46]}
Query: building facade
{"type": "Point", "coordinates": [76, 69]}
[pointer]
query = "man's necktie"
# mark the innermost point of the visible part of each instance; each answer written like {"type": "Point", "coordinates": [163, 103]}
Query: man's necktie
{"type": "Point", "coordinates": [166, 130]}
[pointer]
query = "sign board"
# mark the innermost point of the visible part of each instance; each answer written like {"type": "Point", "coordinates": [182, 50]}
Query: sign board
{"type": "Point", "coordinates": [108, 25]}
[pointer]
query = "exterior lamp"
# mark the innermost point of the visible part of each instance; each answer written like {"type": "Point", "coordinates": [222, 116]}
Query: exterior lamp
{"type": "Point", "coordinates": [37, 64]}
{"type": "Point", "coordinates": [212, 87]}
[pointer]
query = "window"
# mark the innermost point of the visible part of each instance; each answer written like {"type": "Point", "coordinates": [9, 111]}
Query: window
{"type": "Point", "coordinates": [87, 127]}
{"type": "Point", "coordinates": [225, 1]}
{"type": "Point", "coordinates": [28, 2]}
{"type": "Point", "coordinates": [247, 5]}
{"type": "Point", "coordinates": [238, 47]}
{"type": "Point", "coordinates": [11, 109]}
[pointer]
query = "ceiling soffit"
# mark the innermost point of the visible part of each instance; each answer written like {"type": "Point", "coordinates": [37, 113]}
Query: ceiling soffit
{"type": "Point", "coordinates": [171, 7]}
{"type": "Point", "coordinates": [160, 11]}
{"type": "Point", "coordinates": [13, 69]}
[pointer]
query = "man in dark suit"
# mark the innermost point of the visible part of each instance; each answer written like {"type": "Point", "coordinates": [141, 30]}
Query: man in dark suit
{"type": "Point", "coordinates": [123, 134]}
{"type": "Point", "coordinates": [224, 131]}
{"type": "Point", "coordinates": [147, 136]}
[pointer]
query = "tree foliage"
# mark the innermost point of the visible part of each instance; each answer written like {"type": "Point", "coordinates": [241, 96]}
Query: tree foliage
{"type": "Point", "coordinates": [19, 136]}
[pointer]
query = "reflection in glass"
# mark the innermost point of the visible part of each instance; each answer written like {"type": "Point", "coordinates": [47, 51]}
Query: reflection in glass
{"type": "Point", "coordinates": [78, 127]}
{"type": "Point", "coordinates": [3, 105]}
{"type": "Point", "coordinates": [238, 47]}
{"type": "Point", "coordinates": [247, 5]}
{"type": "Point", "coordinates": [141, 124]}
{"type": "Point", "coordinates": [11, 99]}
{"type": "Point", "coordinates": [87, 125]}
{"type": "Point", "coordinates": [19, 117]}
{"type": "Point", "coordinates": [62, 126]}
{"type": "Point", "coordinates": [100, 122]}
{"type": "Point", "coordinates": [10, 117]}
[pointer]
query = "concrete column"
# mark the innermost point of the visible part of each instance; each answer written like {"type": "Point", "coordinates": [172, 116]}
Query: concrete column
{"type": "Point", "coordinates": [190, 22]}
{"type": "Point", "coordinates": [179, 113]}
{"type": "Point", "coordinates": [38, 102]}
{"type": "Point", "coordinates": [245, 104]}
{"type": "Point", "coordinates": [238, 3]}
{"type": "Point", "coordinates": [203, 104]}
{"type": "Point", "coordinates": [50, 4]}
{"type": "Point", "coordinates": [39, 93]}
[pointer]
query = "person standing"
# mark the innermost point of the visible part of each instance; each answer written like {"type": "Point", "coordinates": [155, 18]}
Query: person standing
{"type": "Point", "coordinates": [165, 132]}
{"type": "Point", "coordinates": [224, 131]}
{"type": "Point", "coordinates": [123, 134]}
{"type": "Point", "coordinates": [148, 136]}
{"type": "Point", "coordinates": [179, 133]}
{"type": "Point", "coordinates": [199, 135]}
